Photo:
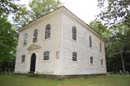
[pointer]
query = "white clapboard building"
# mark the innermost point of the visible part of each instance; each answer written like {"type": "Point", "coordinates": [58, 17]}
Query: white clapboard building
{"type": "Point", "coordinates": [60, 44]}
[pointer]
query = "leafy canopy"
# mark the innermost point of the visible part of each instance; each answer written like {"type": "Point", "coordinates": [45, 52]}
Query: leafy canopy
{"type": "Point", "coordinates": [115, 11]}
{"type": "Point", "coordinates": [38, 8]}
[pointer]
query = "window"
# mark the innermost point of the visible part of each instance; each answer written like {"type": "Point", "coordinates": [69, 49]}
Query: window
{"type": "Point", "coordinates": [47, 31]}
{"type": "Point", "coordinates": [101, 61]}
{"type": "Point", "coordinates": [74, 33]}
{"type": "Point", "coordinates": [100, 47]}
{"type": "Point", "coordinates": [35, 33]}
{"type": "Point", "coordinates": [46, 55]}
{"type": "Point", "coordinates": [91, 60]}
{"type": "Point", "coordinates": [57, 54]}
{"type": "Point", "coordinates": [23, 58]}
{"type": "Point", "coordinates": [25, 39]}
{"type": "Point", "coordinates": [74, 56]}
{"type": "Point", "coordinates": [90, 41]}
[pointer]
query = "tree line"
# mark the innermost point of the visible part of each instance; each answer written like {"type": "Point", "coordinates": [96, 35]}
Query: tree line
{"type": "Point", "coordinates": [113, 24]}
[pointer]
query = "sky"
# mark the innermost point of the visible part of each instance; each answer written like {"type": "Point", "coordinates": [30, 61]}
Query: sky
{"type": "Point", "coordinates": [84, 9]}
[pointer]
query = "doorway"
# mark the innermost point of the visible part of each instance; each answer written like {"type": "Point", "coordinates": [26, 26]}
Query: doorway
{"type": "Point", "coordinates": [33, 63]}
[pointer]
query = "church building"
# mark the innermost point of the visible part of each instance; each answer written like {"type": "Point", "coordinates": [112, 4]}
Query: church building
{"type": "Point", "coordinates": [60, 44]}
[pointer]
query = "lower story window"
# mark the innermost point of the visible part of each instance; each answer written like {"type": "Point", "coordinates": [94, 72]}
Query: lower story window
{"type": "Point", "coordinates": [91, 60]}
{"type": "Point", "coordinates": [23, 58]}
{"type": "Point", "coordinates": [101, 61]}
{"type": "Point", "coordinates": [57, 54]}
{"type": "Point", "coordinates": [46, 55]}
{"type": "Point", "coordinates": [74, 56]}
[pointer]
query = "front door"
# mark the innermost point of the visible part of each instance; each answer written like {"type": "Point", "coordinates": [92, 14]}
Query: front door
{"type": "Point", "coordinates": [33, 63]}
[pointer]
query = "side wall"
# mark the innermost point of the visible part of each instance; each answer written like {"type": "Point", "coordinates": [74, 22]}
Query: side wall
{"type": "Point", "coordinates": [52, 45]}
{"type": "Point", "coordinates": [81, 46]}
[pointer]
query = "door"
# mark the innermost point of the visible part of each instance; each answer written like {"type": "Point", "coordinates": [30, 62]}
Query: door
{"type": "Point", "coordinates": [33, 63]}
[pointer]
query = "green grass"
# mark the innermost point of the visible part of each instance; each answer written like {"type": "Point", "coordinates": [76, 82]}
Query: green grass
{"type": "Point", "coordinates": [110, 80]}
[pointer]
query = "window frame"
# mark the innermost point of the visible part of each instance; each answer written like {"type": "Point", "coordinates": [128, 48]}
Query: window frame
{"type": "Point", "coordinates": [23, 58]}
{"type": "Point", "coordinates": [102, 62]}
{"type": "Point", "coordinates": [46, 55]}
{"type": "Point", "coordinates": [90, 41]}
{"type": "Point", "coordinates": [91, 60]}
{"type": "Point", "coordinates": [100, 47]}
{"type": "Point", "coordinates": [74, 56]}
{"type": "Point", "coordinates": [48, 31]}
{"type": "Point", "coordinates": [74, 33]}
{"type": "Point", "coordinates": [57, 54]}
{"type": "Point", "coordinates": [25, 39]}
{"type": "Point", "coordinates": [35, 35]}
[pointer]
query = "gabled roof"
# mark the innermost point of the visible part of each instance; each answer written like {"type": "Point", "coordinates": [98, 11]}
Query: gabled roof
{"type": "Point", "coordinates": [83, 23]}
{"type": "Point", "coordinates": [71, 14]}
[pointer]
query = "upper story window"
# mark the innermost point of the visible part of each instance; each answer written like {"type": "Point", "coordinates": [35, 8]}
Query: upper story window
{"type": "Point", "coordinates": [47, 31]}
{"type": "Point", "coordinates": [90, 41]}
{"type": "Point", "coordinates": [74, 56]}
{"type": "Point", "coordinates": [100, 47]}
{"type": "Point", "coordinates": [46, 55]}
{"type": "Point", "coordinates": [25, 39]}
{"type": "Point", "coordinates": [23, 58]}
{"type": "Point", "coordinates": [35, 33]}
{"type": "Point", "coordinates": [74, 33]}
{"type": "Point", "coordinates": [91, 60]}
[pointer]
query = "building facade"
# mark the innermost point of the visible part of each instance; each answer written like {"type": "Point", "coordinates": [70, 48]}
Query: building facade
{"type": "Point", "coordinates": [60, 44]}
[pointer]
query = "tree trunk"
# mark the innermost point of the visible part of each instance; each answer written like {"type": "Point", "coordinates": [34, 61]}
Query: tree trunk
{"type": "Point", "coordinates": [122, 62]}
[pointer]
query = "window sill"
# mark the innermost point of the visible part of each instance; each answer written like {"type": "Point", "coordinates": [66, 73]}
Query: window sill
{"type": "Point", "coordinates": [47, 39]}
{"type": "Point", "coordinates": [46, 61]}
{"type": "Point", "coordinates": [74, 40]}
{"type": "Point", "coordinates": [74, 62]}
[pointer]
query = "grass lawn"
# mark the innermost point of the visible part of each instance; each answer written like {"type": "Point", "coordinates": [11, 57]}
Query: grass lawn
{"type": "Point", "coordinates": [109, 80]}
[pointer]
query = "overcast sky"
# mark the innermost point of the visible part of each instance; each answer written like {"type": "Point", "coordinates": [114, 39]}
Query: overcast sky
{"type": "Point", "coordinates": [84, 9]}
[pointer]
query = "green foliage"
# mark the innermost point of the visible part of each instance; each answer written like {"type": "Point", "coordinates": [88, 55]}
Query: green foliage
{"type": "Point", "coordinates": [23, 17]}
{"type": "Point", "coordinates": [8, 36]}
{"type": "Point", "coordinates": [38, 8]}
{"type": "Point", "coordinates": [42, 7]}
{"type": "Point", "coordinates": [119, 39]}
{"type": "Point", "coordinates": [116, 15]}
{"type": "Point", "coordinates": [100, 28]}
{"type": "Point", "coordinates": [8, 40]}
{"type": "Point", "coordinates": [7, 7]}
{"type": "Point", "coordinates": [115, 11]}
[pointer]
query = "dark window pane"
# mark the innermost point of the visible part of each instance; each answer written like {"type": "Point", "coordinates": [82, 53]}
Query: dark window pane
{"type": "Point", "coordinates": [91, 60]}
{"type": "Point", "coordinates": [57, 54]}
{"type": "Point", "coordinates": [74, 56]}
{"type": "Point", "coordinates": [35, 33]}
{"type": "Point", "coordinates": [25, 39]}
{"type": "Point", "coordinates": [90, 41]}
{"type": "Point", "coordinates": [74, 33]}
{"type": "Point", "coordinates": [46, 55]}
{"type": "Point", "coordinates": [23, 58]}
{"type": "Point", "coordinates": [101, 61]}
{"type": "Point", "coordinates": [100, 47]}
{"type": "Point", "coordinates": [47, 31]}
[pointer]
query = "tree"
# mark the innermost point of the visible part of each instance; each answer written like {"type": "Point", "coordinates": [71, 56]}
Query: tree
{"type": "Point", "coordinates": [38, 8]}
{"type": "Point", "coordinates": [117, 44]}
{"type": "Point", "coordinates": [100, 28]}
{"type": "Point", "coordinates": [115, 12]}
{"type": "Point", "coordinates": [8, 40]}
{"type": "Point", "coordinates": [8, 35]}
{"type": "Point", "coordinates": [43, 7]}
{"type": "Point", "coordinates": [7, 7]}
{"type": "Point", "coordinates": [116, 15]}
